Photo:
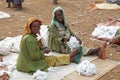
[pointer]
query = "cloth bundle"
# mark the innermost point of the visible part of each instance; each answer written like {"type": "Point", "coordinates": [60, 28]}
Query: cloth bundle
{"type": "Point", "coordinates": [58, 60]}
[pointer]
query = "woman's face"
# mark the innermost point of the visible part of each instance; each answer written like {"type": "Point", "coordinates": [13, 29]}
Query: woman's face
{"type": "Point", "coordinates": [59, 16]}
{"type": "Point", "coordinates": [35, 27]}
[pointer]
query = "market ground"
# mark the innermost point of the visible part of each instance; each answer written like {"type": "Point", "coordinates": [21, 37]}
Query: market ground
{"type": "Point", "coordinates": [78, 17]}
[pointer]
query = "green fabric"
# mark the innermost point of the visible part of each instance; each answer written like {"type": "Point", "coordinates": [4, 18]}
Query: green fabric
{"type": "Point", "coordinates": [55, 39]}
{"type": "Point", "coordinates": [79, 55]}
{"type": "Point", "coordinates": [31, 56]}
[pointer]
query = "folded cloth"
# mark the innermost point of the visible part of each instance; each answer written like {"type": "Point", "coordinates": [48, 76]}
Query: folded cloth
{"type": "Point", "coordinates": [58, 60]}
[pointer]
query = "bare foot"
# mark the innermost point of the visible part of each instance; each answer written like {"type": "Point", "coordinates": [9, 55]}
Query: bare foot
{"type": "Point", "coordinates": [102, 54]}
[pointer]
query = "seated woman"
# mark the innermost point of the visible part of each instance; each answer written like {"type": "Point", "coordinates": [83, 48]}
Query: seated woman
{"type": "Point", "coordinates": [32, 51]}
{"type": "Point", "coordinates": [59, 35]}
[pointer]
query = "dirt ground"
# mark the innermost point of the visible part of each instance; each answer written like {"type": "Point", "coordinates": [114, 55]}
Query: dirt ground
{"type": "Point", "coordinates": [78, 17]}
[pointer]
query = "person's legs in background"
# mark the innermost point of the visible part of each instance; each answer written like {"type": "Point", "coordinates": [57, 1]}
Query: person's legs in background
{"type": "Point", "coordinates": [8, 1]}
{"type": "Point", "coordinates": [54, 1]}
{"type": "Point", "coordinates": [18, 4]}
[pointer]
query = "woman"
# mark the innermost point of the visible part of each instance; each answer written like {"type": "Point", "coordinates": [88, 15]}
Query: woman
{"type": "Point", "coordinates": [32, 52]}
{"type": "Point", "coordinates": [59, 35]}
{"type": "Point", "coordinates": [31, 56]}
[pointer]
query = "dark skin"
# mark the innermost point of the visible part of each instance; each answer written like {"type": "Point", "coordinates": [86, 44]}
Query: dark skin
{"type": "Point", "coordinates": [35, 27]}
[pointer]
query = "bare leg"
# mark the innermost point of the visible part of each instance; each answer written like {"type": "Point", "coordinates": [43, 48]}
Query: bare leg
{"type": "Point", "coordinates": [73, 55]}
{"type": "Point", "coordinates": [102, 51]}
{"type": "Point", "coordinates": [98, 51]}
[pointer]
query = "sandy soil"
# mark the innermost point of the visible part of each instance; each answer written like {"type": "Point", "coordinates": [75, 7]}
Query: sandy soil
{"type": "Point", "coordinates": [78, 17]}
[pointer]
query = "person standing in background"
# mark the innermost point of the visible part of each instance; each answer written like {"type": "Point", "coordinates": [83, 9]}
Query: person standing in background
{"type": "Point", "coordinates": [18, 4]}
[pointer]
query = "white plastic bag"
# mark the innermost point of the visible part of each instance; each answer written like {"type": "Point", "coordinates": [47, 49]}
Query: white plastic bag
{"type": "Point", "coordinates": [5, 46]}
{"type": "Point", "coordinates": [16, 44]}
{"type": "Point", "coordinates": [44, 34]}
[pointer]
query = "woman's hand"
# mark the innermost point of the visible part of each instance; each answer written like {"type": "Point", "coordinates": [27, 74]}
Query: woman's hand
{"type": "Point", "coordinates": [66, 39]}
{"type": "Point", "coordinates": [80, 41]}
{"type": "Point", "coordinates": [47, 50]}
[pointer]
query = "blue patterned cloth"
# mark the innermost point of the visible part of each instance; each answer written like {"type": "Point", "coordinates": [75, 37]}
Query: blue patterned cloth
{"type": "Point", "coordinates": [114, 1]}
{"type": "Point", "coordinates": [18, 1]}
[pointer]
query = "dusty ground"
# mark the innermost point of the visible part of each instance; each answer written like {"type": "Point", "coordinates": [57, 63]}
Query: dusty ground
{"type": "Point", "coordinates": [78, 17]}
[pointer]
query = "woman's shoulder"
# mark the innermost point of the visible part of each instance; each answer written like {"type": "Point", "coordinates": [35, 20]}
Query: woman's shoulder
{"type": "Point", "coordinates": [28, 37]}
{"type": "Point", "coordinates": [52, 26]}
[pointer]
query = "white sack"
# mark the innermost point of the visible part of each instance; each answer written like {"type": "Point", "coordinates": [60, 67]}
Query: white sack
{"type": "Point", "coordinates": [44, 34]}
{"type": "Point", "coordinates": [5, 46]}
{"type": "Point", "coordinates": [10, 44]}
{"type": "Point", "coordinates": [102, 31]}
{"type": "Point", "coordinates": [4, 15]}
{"type": "Point", "coordinates": [16, 44]}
